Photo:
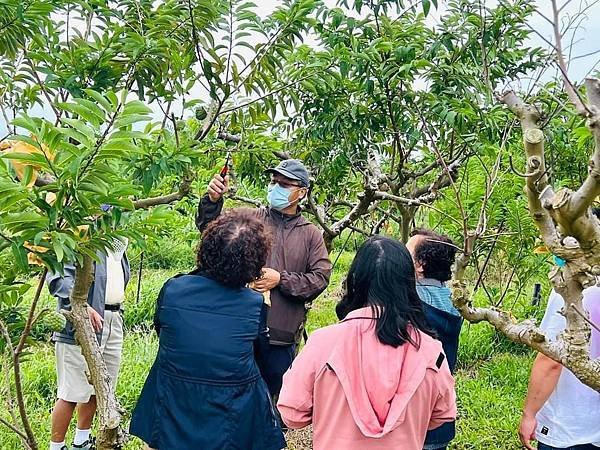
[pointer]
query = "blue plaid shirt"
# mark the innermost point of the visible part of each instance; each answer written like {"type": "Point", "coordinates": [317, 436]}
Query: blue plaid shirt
{"type": "Point", "coordinates": [436, 294]}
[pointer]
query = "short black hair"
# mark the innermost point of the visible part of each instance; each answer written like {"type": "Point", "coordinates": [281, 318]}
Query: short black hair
{"type": "Point", "coordinates": [436, 254]}
{"type": "Point", "coordinates": [234, 248]}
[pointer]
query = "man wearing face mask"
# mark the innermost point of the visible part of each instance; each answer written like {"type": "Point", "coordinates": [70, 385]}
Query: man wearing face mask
{"type": "Point", "coordinates": [298, 267]}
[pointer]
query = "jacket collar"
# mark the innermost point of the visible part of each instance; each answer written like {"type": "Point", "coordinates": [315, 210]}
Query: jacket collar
{"type": "Point", "coordinates": [295, 219]}
{"type": "Point", "coordinates": [360, 313]}
{"type": "Point", "coordinates": [430, 282]}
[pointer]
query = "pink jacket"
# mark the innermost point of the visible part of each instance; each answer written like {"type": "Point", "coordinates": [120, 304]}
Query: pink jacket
{"type": "Point", "coordinates": [361, 394]}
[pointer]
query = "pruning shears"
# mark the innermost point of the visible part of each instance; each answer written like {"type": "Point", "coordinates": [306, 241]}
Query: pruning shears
{"type": "Point", "coordinates": [225, 168]}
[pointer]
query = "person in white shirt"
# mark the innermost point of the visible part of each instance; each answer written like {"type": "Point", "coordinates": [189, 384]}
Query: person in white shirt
{"type": "Point", "coordinates": [105, 310]}
{"type": "Point", "coordinates": [560, 411]}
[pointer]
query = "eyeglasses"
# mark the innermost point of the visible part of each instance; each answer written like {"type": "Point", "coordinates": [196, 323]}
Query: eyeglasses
{"type": "Point", "coordinates": [284, 184]}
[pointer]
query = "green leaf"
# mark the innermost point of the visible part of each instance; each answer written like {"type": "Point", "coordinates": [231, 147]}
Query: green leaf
{"type": "Point", "coordinates": [82, 111]}
{"type": "Point", "coordinates": [93, 187]}
{"type": "Point", "coordinates": [100, 99]}
{"type": "Point", "coordinates": [125, 120]}
{"type": "Point", "coordinates": [81, 128]}
{"type": "Point", "coordinates": [58, 250]}
{"type": "Point", "coordinates": [92, 107]}
{"type": "Point", "coordinates": [27, 123]}
{"type": "Point", "coordinates": [16, 222]}
{"type": "Point", "coordinates": [34, 158]}
{"type": "Point", "coordinates": [426, 6]}
{"type": "Point", "coordinates": [20, 254]}
{"type": "Point", "coordinates": [112, 97]}
{"type": "Point", "coordinates": [135, 107]}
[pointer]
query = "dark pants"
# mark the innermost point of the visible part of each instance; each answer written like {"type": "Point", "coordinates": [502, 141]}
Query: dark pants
{"type": "Point", "coordinates": [278, 361]}
{"type": "Point", "coordinates": [574, 447]}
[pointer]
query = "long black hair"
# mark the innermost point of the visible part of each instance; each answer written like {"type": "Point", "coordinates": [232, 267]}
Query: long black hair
{"type": "Point", "coordinates": [382, 276]}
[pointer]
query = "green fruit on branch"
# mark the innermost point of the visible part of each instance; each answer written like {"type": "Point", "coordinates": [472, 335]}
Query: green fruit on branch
{"type": "Point", "coordinates": [54, 320]}
{"type": "Point", "coordinates": [201, 113]}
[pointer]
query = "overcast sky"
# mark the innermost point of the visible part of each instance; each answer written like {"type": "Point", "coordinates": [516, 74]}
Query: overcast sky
{"type": "Point", "coordinates": [586, 40]}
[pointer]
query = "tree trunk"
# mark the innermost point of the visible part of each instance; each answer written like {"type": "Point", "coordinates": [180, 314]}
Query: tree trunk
{"type": "Point", "coordinates": [328, 238]}
{"type": "Point", "coordinates": [569, 231]}
{"type": "Point", "coordinates": [109, 435]}
{"type": "Point", "coordinates": [407, 213]}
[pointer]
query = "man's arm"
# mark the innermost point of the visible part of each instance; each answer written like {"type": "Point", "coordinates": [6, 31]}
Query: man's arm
{"type": "Point", "coordinates": [207, 212]}
{"type": "Point", "coordinates": [211, 204]}
{"type": "Point", "coordinates": [61, 285]}
{"type": "Point", "coordinates": [544, 376]}
{"type": "Point", "coordinates": [306, 286]}
{"type": "Point", "coordinates": [261, 344]}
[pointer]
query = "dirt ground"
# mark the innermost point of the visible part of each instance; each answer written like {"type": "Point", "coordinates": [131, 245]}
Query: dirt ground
{"type": "Point", "coordinates": [299, 439]}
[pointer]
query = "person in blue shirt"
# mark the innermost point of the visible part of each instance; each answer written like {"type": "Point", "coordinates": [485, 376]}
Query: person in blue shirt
{"type": "Point", "coordinates": [205, 389]}
{"type": "Point", "coordinates": [433, 255]}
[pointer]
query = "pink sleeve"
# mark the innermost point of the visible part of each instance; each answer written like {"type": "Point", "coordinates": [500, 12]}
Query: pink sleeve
{"type": "Point", "coordinates": [295, 401]}
{"type": "Point", "coordinates": [444, 409]}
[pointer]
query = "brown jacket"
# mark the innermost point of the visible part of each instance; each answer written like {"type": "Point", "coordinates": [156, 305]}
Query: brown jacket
{"type": "Point", "coordinates": [299, 255]}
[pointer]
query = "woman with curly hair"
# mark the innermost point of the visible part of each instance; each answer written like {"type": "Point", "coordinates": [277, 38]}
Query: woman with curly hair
{"type": "Point", "coordinates": [205, 389]}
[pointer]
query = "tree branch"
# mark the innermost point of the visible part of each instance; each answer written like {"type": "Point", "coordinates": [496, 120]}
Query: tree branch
{"type": "Point", "coordinates": [424, 200]}
{"type": "Point", "coordinates": [319, 213]}
{"type": "Point", "coordinates": [577, 243]}
{"type": "Point", "coordinates": [533, 139]}
{"type": "Point", "coordinates": [213, 113]}
{"type": "Point", "coordinates": [235, 138]}
{"type": "Point", "coordinates": [248, 200]}
{"type": "Point", "coordinates": [443, 180]}
{"type": "Point", "coordinates": [572, 93]}
{"type": "Point", "coordinates": [184, 189]}
{"type": "Point", "coordinates": [31, 441]}
{"type": "Point", "coordinates": [268, 94]}
{"type": "Point", "coordinates": [373, 180]}
{"type": "Point", "coordinates": [590, 188]}
{"type": "Point", "coordinates": [14, 429]}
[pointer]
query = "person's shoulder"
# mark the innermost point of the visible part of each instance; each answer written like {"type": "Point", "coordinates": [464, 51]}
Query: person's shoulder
{"type": "Point", "coordinates": [592, 292]}
{"type": "Point", "coordinates": [309, 228]}
{"type": "Point", "coordinates": [184, 279]}
{"type": "Point", "coordinates": [429, 348]}
{"type": "Point", "coordinates": [325, 334]}
{"type": "Point", "coordinates": [429, 343]}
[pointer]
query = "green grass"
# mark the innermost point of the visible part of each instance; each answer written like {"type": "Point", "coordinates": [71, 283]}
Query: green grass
{"type": "Point", "coordinates": [490, 397]}
{"type": "Point", "coordinates": [491, 380]}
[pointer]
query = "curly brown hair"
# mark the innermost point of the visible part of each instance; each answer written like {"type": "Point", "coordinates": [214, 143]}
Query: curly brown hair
{"type": "Point", "coordinates": [234, 248]}
{"type": "Point", "coordinates": [436, 253]}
